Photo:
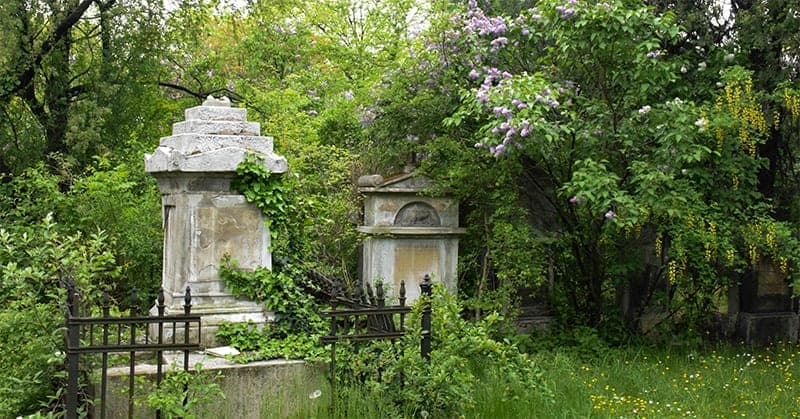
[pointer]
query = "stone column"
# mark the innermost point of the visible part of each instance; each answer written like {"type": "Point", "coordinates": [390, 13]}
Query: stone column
{"type": "Point", "coordinates": [203, 219]}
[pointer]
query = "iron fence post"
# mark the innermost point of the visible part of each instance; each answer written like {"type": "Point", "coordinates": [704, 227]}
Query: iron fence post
{"type": "Point", "coordinates": [159, 354]}
{"type": "Point", "coordinates": [187, 310]}
{"type": "Point", "coordinates": [380, 295]}
{"type": "Point", "coordinates": [425, 343]}
{"type": "Point", "coordinates": [73, 341]}
{"type": "Point", "coordinates": [132, 370]}
{"type": "Point", "coordinates": [104, 378]}
{"type": "Point", "coordinates": [332, 365]}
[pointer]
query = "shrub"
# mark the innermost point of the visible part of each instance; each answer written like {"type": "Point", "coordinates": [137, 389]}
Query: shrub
{"type": "Point", "coordinates": [34, 262]}
{"type": "Point", "coordinates": [463, 354]}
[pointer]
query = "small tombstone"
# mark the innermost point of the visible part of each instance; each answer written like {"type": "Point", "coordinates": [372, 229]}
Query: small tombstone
{"type": "Point", "coordinates": [762, 306]}
{"type": "Point", "coordinates": [410, 235]}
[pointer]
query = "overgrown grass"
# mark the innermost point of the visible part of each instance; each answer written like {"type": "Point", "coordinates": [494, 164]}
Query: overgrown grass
{"type": "Point", "coordinates": [642, 382]}
{"type": "Point", "coordinates": [719, 382]}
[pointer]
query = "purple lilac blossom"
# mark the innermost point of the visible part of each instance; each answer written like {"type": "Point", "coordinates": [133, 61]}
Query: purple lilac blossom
{"type": "Point", "coordinates": [566, 12]}
{"type": "Point", "coordinates": [499, 42]}
{"type": "Point", "coordinates": [610, 214]}
{"type": "Point", "coordinates": [473, 75]}
{"type": "Point", "coordinates": [481, 96]}
{"type": "Point", "coordinates": [526, 128]}
{"type": "Point", "coordinates": [484, 25]}
{"type": "Point", "coordinates": [575, 200]}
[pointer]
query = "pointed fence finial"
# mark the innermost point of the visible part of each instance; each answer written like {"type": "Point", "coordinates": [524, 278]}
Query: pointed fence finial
{"type": "Point", "coordinates": [402, 297]}
{"type": "Point", "coordinates": [425, 285]}
{"type": "Point", "coordinates": [72, 297]}
{"type": "Point", "coordinates": [187, 300]}
{"type": "Point", "coordinates": [370, 294]}
{"type": "Point", "coordinates": [134, 300]}
{"type": "Point", "coordinates": [105, 303]}
{"type": "Point", "coordinates": [160, 301]}
{"type": "Point", "coordinates": [381, 296]}
{"type": "Point", "coordinates": [334, 292]}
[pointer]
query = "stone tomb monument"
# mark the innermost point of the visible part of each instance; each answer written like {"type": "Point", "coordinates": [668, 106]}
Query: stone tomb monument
{"type": "Point", "coordinates": [203, 220]}
{"type": "Point", "coordinates": [762, 307]}
{"type": "Point", "coordinates": [409, 234]}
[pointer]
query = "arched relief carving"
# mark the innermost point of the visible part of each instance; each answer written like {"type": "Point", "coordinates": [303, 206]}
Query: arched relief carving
{"type": "Point", "coordinates": [417, 214]}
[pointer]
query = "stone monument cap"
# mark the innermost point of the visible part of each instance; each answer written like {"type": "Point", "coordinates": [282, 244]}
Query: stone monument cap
{"type": "Point", "coordinates": [212, 101]}
{"type": "Point", "coordinates": [370, 180]}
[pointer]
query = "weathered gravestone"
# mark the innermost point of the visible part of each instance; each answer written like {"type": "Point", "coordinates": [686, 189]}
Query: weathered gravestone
{"type": "Point", "coordinates": [763, 307]}
{"type": "Point", "coordinates": [410, 235]}
{"type": "Point", "coordinates": [203, 219]}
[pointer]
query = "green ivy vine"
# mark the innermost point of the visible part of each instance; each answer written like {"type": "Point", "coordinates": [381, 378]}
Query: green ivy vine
{"type": "Point", "coordinates": [284, 289]}
{"type": "Point", "coordinates": [267, 190]}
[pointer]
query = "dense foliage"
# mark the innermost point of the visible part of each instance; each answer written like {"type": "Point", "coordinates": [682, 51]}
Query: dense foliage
{"type": "Point", "coordinates": [642, 152]}
{"type": "Point", "coordinates": [640, 168]}
{"type": "Point", "coordinates": [464, 354]}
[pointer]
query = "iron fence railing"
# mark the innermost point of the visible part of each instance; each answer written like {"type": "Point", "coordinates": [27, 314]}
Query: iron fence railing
{"type": "Point", "coordinates": [108, 334]}
{"type": "Point", "coordinates": [368, 319]}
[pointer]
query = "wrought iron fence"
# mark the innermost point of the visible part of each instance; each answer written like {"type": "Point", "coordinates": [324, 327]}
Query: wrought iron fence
{"type": "Point", "coordinates": [368, 319]}
{"type": "Point", "coordinates": [108, 334]}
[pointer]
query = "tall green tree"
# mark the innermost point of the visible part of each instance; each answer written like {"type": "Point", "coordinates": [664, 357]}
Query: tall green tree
{"type": "Point", "coordinates": [576, 104]}
{"type": "Point", "coordinates": [761, 36]}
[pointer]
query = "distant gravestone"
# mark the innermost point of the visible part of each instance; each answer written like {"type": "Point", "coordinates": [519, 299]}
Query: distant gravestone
{"type": "Point", "coordinates": [409, 234]}
{"type": "Point", "coordinates": [763, 306]}
{"type": "Point", "coordinates": [203, 219]}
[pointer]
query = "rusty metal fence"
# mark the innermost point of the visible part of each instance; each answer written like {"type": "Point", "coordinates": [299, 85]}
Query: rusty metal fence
{"type": "Point", "coordinates": [369, 319]}
{"type": "Point", "coordinates": [108, 334]}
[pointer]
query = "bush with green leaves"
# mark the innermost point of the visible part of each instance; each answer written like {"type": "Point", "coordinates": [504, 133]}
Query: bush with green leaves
{"type": "Point", "coordinates": [585, 122]}
{"type": "Point", "coordinates": [295, 332]}
{"type": "Point", "coordinates": [182, 394]}
{"type": "Point", "coordinates": [464, 353]}
{"type": "Point", "coordinates": [110, 196]}
{"type": "Point", "coordinates": [35, 262]}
